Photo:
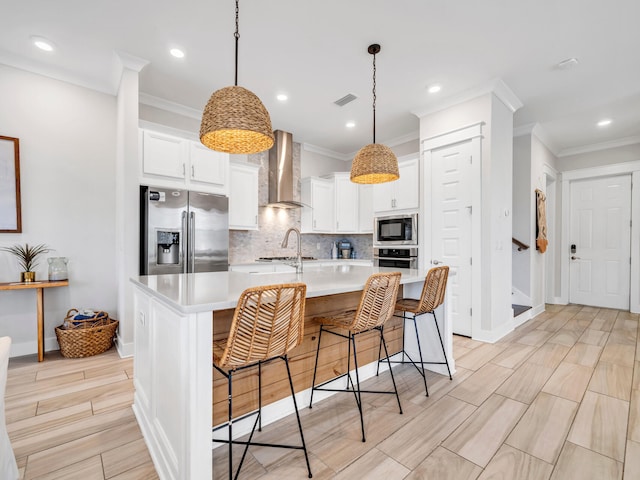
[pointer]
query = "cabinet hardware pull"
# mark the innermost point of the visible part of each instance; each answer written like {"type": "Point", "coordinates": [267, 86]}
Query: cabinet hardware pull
{"type": "Point", "coordinates": [193, 172]}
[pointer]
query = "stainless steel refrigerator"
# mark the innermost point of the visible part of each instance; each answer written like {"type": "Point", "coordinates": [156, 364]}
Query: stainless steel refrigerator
{"type": "Point", "coordinates": [183, 231]}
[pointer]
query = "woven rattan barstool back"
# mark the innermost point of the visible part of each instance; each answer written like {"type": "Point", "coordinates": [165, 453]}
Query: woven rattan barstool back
{"type": "Point", "coordinates": [433, 291]}
{"type": "Point", "coordinates": [267, 323]}
{"type": "Point", "coordinates": [376, 306]}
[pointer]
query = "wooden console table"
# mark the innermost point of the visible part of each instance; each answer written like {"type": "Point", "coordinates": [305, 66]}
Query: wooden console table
{"type": "Point", "coordinates": [39, 286]}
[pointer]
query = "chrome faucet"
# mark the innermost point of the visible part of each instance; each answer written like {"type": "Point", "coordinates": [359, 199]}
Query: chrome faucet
{"type": "Point", "coordinates": [285, 243]}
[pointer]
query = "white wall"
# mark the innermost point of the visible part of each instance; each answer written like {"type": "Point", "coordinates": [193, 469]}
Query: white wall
{"type": "Point", "coordinates": [494, 286]}
{"type": "Point", "coordinates": [521, 215]}
{"type": "Point", "coordinates": [542, 159]}
{"type": "Point", "coordinates": [611, 156]}
{"type": "Point", "coordinates": [67, 167]}
{"type": "Point", "coordinates": [313, 164]}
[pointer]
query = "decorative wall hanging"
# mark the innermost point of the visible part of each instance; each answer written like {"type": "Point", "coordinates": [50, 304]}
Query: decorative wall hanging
{"type": "Point", "coordinates": [541, 221]}
{"type": "Point", "coordinates": [10, 212]}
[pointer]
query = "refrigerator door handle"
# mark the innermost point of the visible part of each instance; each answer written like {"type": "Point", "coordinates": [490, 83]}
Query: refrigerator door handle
{"type": "Point", "coordinates": [184, 242]}
{"type": "Point", "coordinates": [192, 240]}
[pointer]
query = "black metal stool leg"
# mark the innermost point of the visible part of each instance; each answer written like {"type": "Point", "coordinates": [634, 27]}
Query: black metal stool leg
{"type": "Point", "coordinates": [295, 406]}
{"type": "Point", "coordinates": [230, 404]}
{"type": "Point", "coordinates": [315, 368]}
{"type": "Point", "coordinates": [379, 352]}
{"type": "Point", "coordinates": [424, 374]}
{"type": "Point", "coordinates": [386, 352]}
{"type": "Point", "coordinates": [358, 396]}
{"type": "Point", "coordinates": [259, 396]}
{"type": "Point", "coordinates": [446, 360]}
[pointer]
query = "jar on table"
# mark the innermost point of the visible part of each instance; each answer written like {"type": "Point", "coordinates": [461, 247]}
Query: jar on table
{"type": "Point", "coordinates": [58, 268]}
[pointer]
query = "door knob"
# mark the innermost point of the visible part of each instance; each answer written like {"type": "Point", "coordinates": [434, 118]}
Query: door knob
{"type": "Point", "coordinates": [573, 257]}
{"type": "Point", "coordinates": [436, 262]}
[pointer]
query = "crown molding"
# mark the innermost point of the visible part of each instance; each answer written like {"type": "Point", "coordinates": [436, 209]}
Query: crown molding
{"type": "Point", "coordinates": [595, 147]}
{"type": "Point", "coordinates": [326, 152]}
{"type": "Point", "coordinates": [170, 106]}
{"type": "Point", "coordinates": [56, 73]}
{"type": "Point", "coordinates": [524, 129]}
{"type": "Point", "coordinates": [131, 62]}
{"type": "Point", "coordinates": [495, 86]}
{"type": "Point", "coordinates": [394, 142]}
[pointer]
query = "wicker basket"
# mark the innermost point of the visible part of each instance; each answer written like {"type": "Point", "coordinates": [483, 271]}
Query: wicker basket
{"type": "Point", "coordinates": [84, 338]}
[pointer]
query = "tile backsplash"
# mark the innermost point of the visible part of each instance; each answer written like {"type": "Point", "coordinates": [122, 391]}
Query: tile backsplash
{"type": "Point", "coordinates": [246, 246]}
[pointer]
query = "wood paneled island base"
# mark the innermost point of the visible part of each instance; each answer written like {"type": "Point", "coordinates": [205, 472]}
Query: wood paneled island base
{"type": "Point", "coordinates": [333, 357]}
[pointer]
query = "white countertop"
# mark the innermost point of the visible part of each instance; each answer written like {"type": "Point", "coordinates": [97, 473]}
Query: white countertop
{"type": "Point", "coordinates": [201, 292]}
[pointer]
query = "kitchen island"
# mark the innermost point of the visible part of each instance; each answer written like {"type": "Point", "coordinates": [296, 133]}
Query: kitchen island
{"type": "Point", "coordinates": [178, 398]}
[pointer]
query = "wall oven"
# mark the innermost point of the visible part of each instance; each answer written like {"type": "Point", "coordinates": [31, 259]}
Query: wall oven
{"type": "Point", "coordinates": [396, 230]}
{"type": "Point", "coordinates": [395, 257]}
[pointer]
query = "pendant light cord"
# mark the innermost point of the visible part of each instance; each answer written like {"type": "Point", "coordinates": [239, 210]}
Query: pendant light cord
{"type": "Point", "coordinates": [237, 37]}
{"type": "Point", "coordinates": [374, 98]}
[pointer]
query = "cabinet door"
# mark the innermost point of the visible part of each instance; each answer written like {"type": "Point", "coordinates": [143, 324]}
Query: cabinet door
{"type": "Point", "coordinates": [322, 205]}
{"type": "Point", "coordinates": [346, 204]}
{"type": "Point", "coordinates": [365, 204]}
{"type": "Point", "coordinates": [208, 166]}
{"type": "Point", "coordinates": [163, 155]}
{"type": "Point", "coordinates": [243, 197]}
{"type": "Point", "coordinates": [407, 188]}
{"type": "Point", "coordinates": [383, 196]}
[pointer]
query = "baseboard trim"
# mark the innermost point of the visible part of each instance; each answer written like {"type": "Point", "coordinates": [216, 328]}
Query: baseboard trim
{"type": "Point", "coordinates": [31, 347]}
{"type": "Point", "coordinates": [124, 349]}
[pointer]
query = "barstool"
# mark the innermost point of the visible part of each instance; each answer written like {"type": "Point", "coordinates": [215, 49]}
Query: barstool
{"type": "Point", "coordinates": [431, 298]}
{"type": "Point", "coordinates": [375, 308]}
{"type": "Point", "coordinates": [267, 323]}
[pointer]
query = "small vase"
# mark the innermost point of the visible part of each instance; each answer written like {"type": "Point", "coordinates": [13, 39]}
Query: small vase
{"type": "Point", "coordinates": [27, 277]}
{"type": "Point", "coordinates": [58, 268]}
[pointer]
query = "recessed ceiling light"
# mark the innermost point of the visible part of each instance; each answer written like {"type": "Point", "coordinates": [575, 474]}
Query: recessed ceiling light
{"type": "Point", "coordinates": [434, 88]}
{"type": "Point", "coordinates": [282, 97]}
{"type": "Point", "coordinates": [350, 124]}
{"type": "Point", "coordinates": [176, 52]}
{"type": "Point", "coordinates": [42, 43]}
{"type": "Point", "coordinates": [604, 122]}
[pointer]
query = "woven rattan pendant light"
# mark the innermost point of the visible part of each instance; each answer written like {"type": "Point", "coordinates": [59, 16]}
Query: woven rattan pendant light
{"type": "Point", "coordinates": [374, 163]}
{"type": "Point", "coordinates": [235, 120]}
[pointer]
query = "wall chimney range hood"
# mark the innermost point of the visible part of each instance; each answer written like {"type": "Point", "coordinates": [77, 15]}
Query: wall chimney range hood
{"type": "Point", "coordinates": [282, 185]}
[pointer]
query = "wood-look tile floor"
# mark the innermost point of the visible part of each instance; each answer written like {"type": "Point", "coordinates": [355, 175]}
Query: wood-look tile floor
{"type": "Point", "coordinates": [558, 398]}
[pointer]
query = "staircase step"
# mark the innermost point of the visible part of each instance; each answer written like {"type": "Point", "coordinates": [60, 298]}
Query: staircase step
{"type": "Point", "coordinates": [519, 309]}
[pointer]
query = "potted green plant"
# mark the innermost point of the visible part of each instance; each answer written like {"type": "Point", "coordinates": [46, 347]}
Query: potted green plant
{"type": "Point", "coordinates": [27, 258]}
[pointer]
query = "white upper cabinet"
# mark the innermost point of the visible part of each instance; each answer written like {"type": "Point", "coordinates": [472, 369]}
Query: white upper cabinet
{"type": "Point", "coordinates": [334, 204]}
{"type": "Point", "coordinates": [172, 161]}
{"type": "Point", "coordinates": [318, 199]}
{"type": "Point", "coordinates": [403, 194]}
{"type": "Point", "coordinates": [208, 166]}
{"type": "Point", "coordinates": [346, 203]}
{"type": "Point", "coordinates": [243, 196]}
{"type": "Point", "coordinates": [365, 208]}
{"type": "Point", "coordinates": [164, 154]}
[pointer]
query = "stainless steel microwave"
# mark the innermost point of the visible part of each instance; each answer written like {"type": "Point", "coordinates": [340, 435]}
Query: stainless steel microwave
{"type": "Point", "coordinates": [396, 230]}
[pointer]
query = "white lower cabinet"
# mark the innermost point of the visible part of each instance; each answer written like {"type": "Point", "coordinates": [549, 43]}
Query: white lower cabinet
{"type": "Point", "coordinates": [243, 196]}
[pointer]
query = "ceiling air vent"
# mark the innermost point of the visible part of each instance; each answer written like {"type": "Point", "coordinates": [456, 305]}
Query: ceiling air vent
{"type": "Point", "coordinates": [341, 102]}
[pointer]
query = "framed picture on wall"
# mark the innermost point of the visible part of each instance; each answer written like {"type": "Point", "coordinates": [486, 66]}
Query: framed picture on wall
{"type": "Point", "coordinates": [10, 214]}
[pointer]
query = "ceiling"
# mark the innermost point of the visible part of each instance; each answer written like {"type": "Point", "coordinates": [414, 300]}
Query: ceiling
{"type": "Point", "coordinates": [316, 52]}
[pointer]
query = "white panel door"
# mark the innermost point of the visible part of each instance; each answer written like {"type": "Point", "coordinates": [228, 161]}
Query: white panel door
{"type": "Point", "coordinates": [600, 229]}
{"type": "Point", "coordinates": [451, 227]}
